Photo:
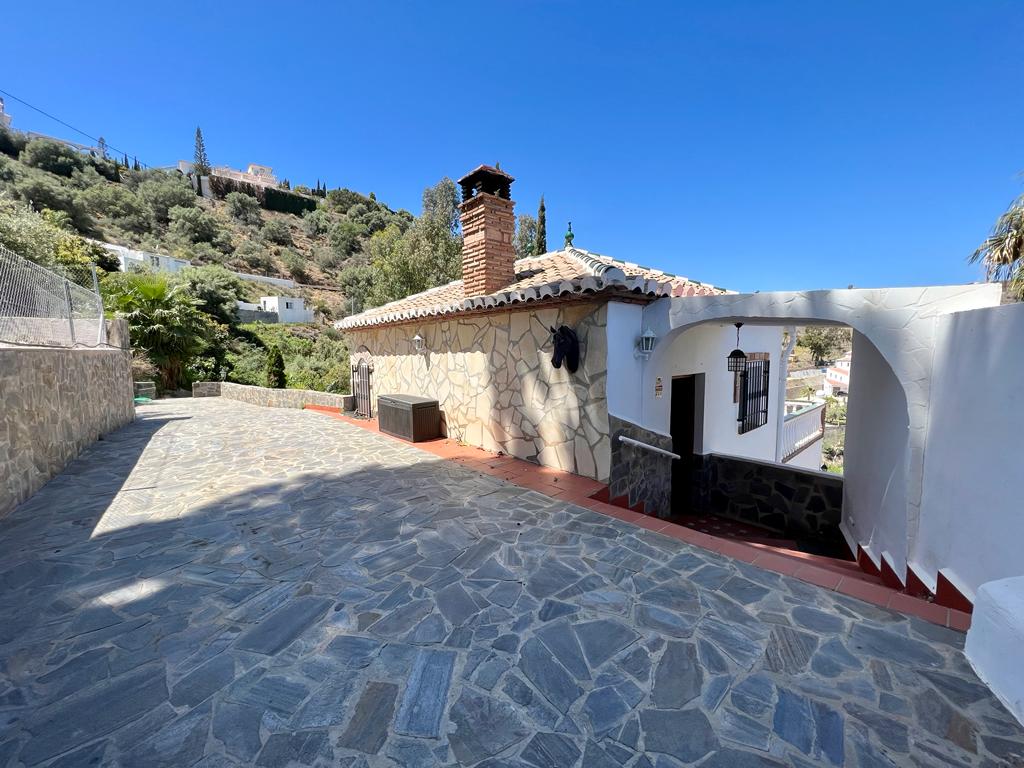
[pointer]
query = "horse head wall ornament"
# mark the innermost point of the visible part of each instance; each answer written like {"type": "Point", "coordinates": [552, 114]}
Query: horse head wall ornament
{"type": "Point", "coordinates": [567, 348]}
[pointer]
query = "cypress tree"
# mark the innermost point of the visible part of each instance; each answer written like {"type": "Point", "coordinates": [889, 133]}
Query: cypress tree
{"type": "Point", "coordinates": [136, 166]}
{"type": "Point", "coordinates": [125, 163]}
{"type": "Point", "coordinates": [201, 163]}
{"type": "Point", "coordinates": [541, 243]}
{"type": "Point", "coordinates": [275, 369]}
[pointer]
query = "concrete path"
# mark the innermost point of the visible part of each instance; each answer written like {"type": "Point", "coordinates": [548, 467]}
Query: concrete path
{"type": "Point", "coordinates": [220, 585]}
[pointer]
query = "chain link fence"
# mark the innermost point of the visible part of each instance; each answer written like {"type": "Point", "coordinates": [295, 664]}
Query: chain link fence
{"type": "Point", "coordinates": [55, 307]}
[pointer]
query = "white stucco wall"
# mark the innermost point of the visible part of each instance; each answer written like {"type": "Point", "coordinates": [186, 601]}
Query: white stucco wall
{"type": "Point", "coordinates": [901, 323]}
{"type": "Point", "coordinates": [625, 370]}
{"type": "Point", "coordinates": [875, 456]}
{"type": "Point", "coordinates": [704, 349]}
{"type": "Point", "coordinates": [296, 313]}
{"type": "Point", "coordinates": [972, 515]}
{"type": "Point", "coordinates": [995, 639]}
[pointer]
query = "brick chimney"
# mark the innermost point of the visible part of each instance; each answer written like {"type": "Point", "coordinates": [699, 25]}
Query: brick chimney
{"type": "Point", "coordinates": [488, 224]}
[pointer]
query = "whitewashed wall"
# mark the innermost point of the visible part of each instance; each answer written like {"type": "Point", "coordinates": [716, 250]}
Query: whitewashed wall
{"type": "Point", "coordinates": [875, 458]}
{"type": "Point", "coordinates": [702, 349]}
{"type": "Point", "coordinates": [972, 512]}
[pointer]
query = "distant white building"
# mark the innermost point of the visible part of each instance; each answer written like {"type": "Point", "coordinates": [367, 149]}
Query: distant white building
{"type": "Point", "coordinates": [289, 309]}
{"type": "Point", "coordinates": [261, 175]}
{"type": "Point", "coordinates": [837, 376]}
{"type": "Point", "coordinates": [5, 119]}
{"type": "Point", "coordinates": [133, 260]}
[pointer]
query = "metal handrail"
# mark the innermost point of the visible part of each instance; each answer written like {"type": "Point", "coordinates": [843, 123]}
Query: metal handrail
{"type": "Point", "coordinates": [654, 448]}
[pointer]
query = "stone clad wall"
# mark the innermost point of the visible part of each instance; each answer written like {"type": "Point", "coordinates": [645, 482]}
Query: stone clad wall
{"type": "Point", "coordinates": [787, 499]}
{"type": "Point", "coordinates": [638, 474]}
{"type": "Point", "coordinates": [497, 388]}
{"type": "Point", "coordinates": [55, 402]}
{"type": "Point", "coordinates": [272, 398]}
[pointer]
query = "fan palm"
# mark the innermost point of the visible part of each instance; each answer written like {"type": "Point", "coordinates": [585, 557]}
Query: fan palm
{"type": "Point", "coordinates": [163, 321]}
{"type": "Point", "coordinates": [1002, 253]}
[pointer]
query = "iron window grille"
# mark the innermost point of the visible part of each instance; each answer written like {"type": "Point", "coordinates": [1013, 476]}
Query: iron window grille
{"type": "Point", "coordinates": [754, 385]}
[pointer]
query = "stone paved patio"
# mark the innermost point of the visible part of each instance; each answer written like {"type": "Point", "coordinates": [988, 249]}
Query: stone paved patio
{"type": "Point", "coordinates": [220, 585]}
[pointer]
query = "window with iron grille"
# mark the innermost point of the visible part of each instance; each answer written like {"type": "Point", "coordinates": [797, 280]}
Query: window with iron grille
{"type": "Point", "coordinates": [753, 406]}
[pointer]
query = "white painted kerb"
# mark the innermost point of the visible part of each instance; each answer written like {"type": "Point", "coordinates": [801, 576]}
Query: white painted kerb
{"type": "Point", "coordinates": [996, 639]}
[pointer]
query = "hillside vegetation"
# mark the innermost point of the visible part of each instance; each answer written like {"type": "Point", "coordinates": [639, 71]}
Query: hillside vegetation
{"type": "Point", "coordinates": [346, 250]}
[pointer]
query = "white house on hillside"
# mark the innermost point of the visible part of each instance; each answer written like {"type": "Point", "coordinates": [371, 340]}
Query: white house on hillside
{"type": "Point", "coordinates": [289, 309]}
{"type": "Point", "coordinates": [837, 375]}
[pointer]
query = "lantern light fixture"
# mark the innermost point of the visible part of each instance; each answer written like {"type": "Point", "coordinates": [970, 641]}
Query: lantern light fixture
{"type": "Point", "coordinates": [737, 359]}
{"type": "Point", "coordinates": [418, 345]}
{"type": "Point", "coordinates": [645, 344]}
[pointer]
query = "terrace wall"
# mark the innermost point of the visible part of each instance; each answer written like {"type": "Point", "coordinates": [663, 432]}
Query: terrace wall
{"type": "Point", "coordinates": [493, 377]}
{"type": "Point", "coordinates": [269, 398]}
{"type": "Point", "coordinates": [56, 402]}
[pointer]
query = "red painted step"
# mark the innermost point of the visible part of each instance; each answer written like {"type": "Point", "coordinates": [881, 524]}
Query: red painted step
{"type": "Point", "coordinates": [845, 568]}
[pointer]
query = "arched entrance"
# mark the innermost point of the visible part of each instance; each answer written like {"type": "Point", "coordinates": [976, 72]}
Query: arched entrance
{"type": "Point", "coordinates": [894, 328]}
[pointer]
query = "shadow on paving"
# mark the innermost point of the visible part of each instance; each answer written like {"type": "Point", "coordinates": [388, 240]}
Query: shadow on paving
{"type": "Point", "coordinates": [410, 612]}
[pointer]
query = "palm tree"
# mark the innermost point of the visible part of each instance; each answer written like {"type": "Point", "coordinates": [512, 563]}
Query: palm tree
{"type": "Point", "coordinates": [1003, 250]}
{"type": "Point", "coordinates": [163, 321]}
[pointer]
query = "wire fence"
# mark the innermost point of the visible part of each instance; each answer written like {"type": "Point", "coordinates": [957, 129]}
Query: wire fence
{"type": "Point", "coordinates": [55, 307]}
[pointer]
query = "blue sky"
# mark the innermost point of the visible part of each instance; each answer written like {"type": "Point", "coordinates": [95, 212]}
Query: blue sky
{"type": "Point", "coordinates": [754, 145]}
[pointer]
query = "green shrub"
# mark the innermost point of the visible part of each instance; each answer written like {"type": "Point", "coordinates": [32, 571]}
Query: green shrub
{"type": "Point", "coordinates": [244, 208]}
{"type": "Point", "coordinates": [344, 238]}
{"type": "Point", "coordinates": [164, 192]}
{"type": "Point", "coordinates": [43, 191]}
{"type": "Point", "coordinates": [276, 232]}
{"type": "Point", "coordinates": [315, 223]}
{"type": "Point", "coordinates": [275, 369]}
{"type": "Point", "coordinates": [216, 288]}
{"type": "Point", "coordinates": [193, 225]}
{"type": "Point", "coordinates": [12, 143]}
{"type": "Point", "coordinates": [119, 204]}
{"type": "Point", "coordinates": [295, 265]}
{"type": "Point", "coordinates": [52, 156]}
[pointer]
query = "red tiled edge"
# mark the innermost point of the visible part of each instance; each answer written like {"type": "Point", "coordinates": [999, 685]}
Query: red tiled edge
{"type": "Point", "coordinates": [593, 495]}
{"type": "Point", "coordinates": [889, 577]}
{"type": "Point", "coordinates": [947, 594]}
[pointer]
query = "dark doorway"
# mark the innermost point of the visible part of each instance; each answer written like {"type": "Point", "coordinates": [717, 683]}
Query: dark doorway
{"type": "Point", "coordinates": [684, 435]}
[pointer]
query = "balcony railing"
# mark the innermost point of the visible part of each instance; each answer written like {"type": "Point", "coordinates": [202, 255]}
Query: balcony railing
{"type": "Point", "coordinates": [803, 426]}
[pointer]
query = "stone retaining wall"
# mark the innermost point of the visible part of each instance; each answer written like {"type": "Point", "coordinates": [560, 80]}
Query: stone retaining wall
{"type": "Point", "coordinates": [497, 389]}
{"type": "Point", "coordinates": [797, 502]}
{"type": "Point", "coordinates": [640, 475]}
{"type": "Point", "coordinates": [55, 402]}
{"type": "Point", "coordinates": [272, 398]}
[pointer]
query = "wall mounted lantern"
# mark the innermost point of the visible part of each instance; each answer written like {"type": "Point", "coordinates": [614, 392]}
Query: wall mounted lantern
{"type": "Point", "coordinates": [645, 344]}
{"type": "Point", "coordinates": [418, 345]}
{"type": "Point", "coordinates": [737, 359]}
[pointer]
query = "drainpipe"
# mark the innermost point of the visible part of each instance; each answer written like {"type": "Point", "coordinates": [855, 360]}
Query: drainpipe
{"type": "Point", "coordinates": [780, 411]}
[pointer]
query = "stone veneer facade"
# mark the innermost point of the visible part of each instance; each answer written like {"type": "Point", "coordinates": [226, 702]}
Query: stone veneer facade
{"type": "Point", "coordinates": [493, 377]}
{"type": "Point", "coordinates": [56, 402]}
{"type": "Point", "coordinates": [786, 499]}
{"type": "Point", "coordinates": [640, 475]}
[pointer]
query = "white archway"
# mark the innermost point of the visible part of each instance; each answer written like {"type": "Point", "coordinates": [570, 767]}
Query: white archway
{"type": "Point", "coordinates": [900, 323]}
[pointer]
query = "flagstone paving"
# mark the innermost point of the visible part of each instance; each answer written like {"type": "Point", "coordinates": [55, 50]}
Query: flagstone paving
{"type": "Point", "coordinates": [223, 585]}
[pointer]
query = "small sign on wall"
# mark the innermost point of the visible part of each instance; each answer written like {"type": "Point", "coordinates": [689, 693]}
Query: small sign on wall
{"type": "Point", "coordinates": [659, 388]}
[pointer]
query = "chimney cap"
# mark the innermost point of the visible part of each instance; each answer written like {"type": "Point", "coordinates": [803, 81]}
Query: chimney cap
{"type": "Point", "coordinates": [486, 179]}
{"type": "Point", "coordinates": [484, 171]}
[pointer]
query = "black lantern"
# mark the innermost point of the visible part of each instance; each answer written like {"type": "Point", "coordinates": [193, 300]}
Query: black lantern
{"type": "Point", "coordinates": [737, 359]}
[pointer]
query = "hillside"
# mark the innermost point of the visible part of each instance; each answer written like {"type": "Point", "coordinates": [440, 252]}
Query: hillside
{"type": "Point", "coordinates": [325, 249]}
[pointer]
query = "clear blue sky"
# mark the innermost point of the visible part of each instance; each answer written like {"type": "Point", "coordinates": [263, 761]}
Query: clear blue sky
{"type": "Point", "coordinates": [754, 145]}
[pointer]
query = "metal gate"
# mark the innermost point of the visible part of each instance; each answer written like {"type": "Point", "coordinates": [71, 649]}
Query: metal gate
{"type": "Point", "coordinates": [361, 374]}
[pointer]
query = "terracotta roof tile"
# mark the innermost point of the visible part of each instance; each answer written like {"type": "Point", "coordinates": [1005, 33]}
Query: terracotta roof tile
{"type": "Point", "coordinates": [567, 273]}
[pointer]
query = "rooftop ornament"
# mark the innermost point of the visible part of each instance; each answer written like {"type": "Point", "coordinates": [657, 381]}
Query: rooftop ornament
{"type": "Point", "coordinates": [569, 236]}
{"type": "Point", "coordinates": [737, 358]}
